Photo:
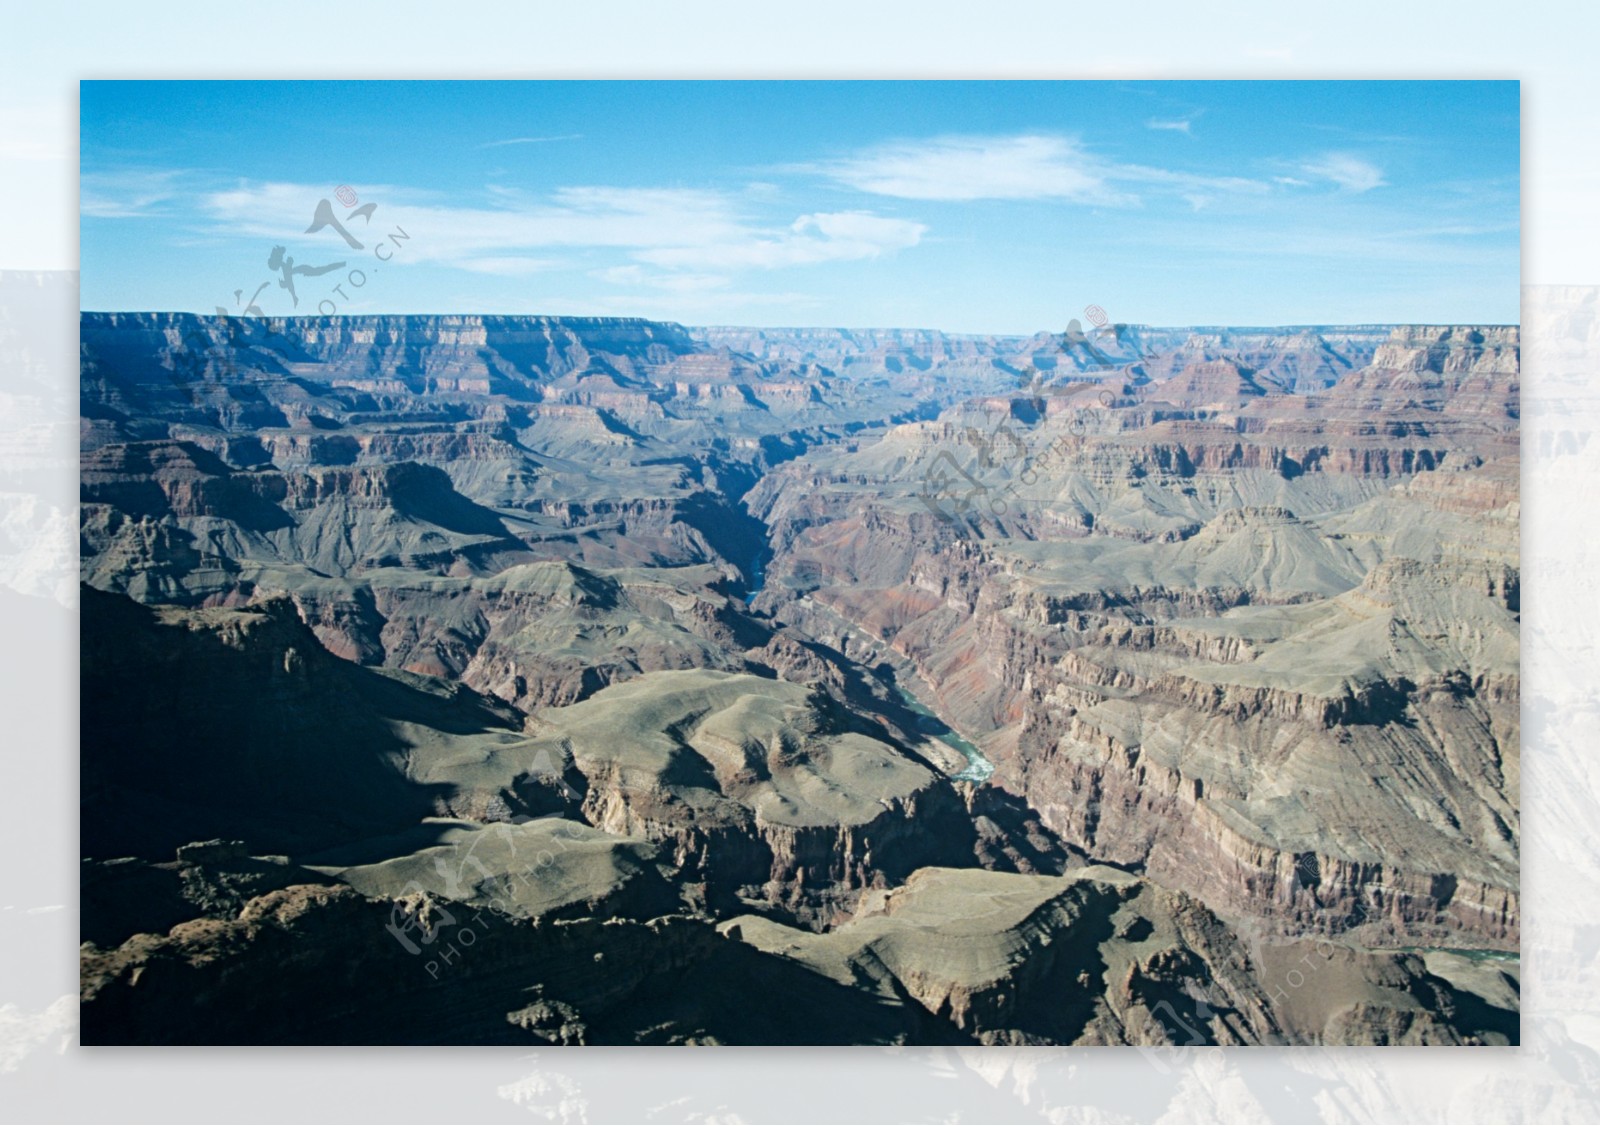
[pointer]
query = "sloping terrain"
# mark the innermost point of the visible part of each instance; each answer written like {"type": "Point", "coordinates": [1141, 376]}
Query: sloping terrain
{"type": "Point", "coordinates": [531, 680]}
{"type": "Point", "coordinates": [1252, 638]}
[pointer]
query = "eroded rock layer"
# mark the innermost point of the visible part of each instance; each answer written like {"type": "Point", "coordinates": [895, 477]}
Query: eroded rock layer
{"type": "Point", "coordinates": [553, 680]}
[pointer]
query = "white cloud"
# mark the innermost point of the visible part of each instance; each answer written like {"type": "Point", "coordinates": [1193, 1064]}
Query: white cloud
{"type": "Point", "coordinates": [1185, 182]}
{"type": "Point", "coordinates": [620, 275]}
{"type": "Point", "coordinates": [1031, 166]}
{"type": "Point", "coordinates": [127, 194]}
{"type": "Point", "coordinates": [1349, 172]}
{"type": "Point", "coordinates": [530, 140]}
{"type": "Point", "coordinates": [690, 232]}
{"type": "Point", "coordinates": [623, 218]}
{"type": "Point", "coordinates": [1179, 126]}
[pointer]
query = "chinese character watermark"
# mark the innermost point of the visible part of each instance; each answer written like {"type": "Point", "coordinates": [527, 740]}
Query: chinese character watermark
{"type": "Point", "coordinates": [955, 492]}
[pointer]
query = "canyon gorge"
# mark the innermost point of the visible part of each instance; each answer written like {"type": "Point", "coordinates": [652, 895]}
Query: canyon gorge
{"type": "Point", "coordinates": [529, 680]}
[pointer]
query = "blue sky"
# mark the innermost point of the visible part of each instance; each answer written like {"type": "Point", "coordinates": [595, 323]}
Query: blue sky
{"type": "Point", "coordinates": [967, 206]}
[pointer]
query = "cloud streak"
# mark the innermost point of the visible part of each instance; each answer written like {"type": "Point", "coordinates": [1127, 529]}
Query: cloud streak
{"type": "Point", "coordinates": [959, 168]}
{"type": "Point", "coordinates": [530, 140]}
{"type": "Point", "coordinates": [692, 231]}
{"type": "Point", "coordinates": [128, 194]}
{"type": "Point", "coordinates": [1031, 166]}
{"type": "Point", "coordinates": [1349, 172]}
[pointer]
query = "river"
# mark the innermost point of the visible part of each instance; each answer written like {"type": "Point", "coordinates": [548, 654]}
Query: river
{"type": "Point", "coordinates": [758, 576]}
{"type": "Point", "coordinates": [929, 721]}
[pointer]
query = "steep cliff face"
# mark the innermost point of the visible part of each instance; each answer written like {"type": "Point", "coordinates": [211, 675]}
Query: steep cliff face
{"type": "Point", "coordinates": [341, 462]}
{"type": "Point", "coordinates": [155, 354]}
{"type": "Point", "coordinates": [1296, 359]}
{"type": "Point", "coordinates": [329, 520]}
{"type": "Point", "coordinates": [678, 662]}
{"type": "Point", "coordinates": [1228, 660]}
{"type": "Point", "coordinates": [760, 790]}
{"type": "Point", "coordinates": [756, 790]}
{"type": "Point", "coordinates": [226, 723]}
{"type": "Point", "coordinates": [1102, 957]}
{"type": "Point", "coordinates": [952, 958]}
{"type": "Point", "coordinates": [149, 375]}
{"type": "Point", "coordinates": [320, 965]}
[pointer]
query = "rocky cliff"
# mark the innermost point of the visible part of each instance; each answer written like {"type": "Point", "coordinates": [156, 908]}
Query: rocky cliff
{"type": "Point", "coordinates": [1190, 634]}
{"type": "Point", "coordinates": [1048, 689]}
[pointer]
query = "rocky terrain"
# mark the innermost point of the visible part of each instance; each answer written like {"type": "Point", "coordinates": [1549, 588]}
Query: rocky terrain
{"type": "Point", "coordinates": [550, 680]}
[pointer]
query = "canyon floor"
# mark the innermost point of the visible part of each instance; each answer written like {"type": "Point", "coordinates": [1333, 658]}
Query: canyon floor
{"type": "Point", "coordinates": [532, 680]}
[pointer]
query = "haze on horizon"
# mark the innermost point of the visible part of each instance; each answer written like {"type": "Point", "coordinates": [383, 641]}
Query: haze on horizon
{"type": "Point", "coordinates": [974, 207]}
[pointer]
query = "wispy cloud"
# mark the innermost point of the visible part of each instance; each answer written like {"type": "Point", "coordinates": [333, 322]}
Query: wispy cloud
{"type": "Point", "coordinates": [1180, 125]}
{"type": "Point", "coordinates": [1187, 182]}
{"type": "Point", "coordinates": [127, 194]}
{"type": "Point", "coordinates": [1031, 166]}
{"type": "Point", "coordinates": [530, 140]}
{"type": "Point", "coordinates": [1349, 172]}
{"type": "Point", "coordinates": [513, 225]}
{"type": "Point", "coordinates": [685, 233]}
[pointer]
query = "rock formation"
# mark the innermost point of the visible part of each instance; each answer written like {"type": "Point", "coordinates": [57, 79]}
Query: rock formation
{"type": "Point", "coordinates": [558, 680]}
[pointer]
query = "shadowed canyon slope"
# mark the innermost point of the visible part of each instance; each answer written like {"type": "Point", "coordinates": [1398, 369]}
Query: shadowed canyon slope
{"type": "Point", "coordinates": [530, 680]}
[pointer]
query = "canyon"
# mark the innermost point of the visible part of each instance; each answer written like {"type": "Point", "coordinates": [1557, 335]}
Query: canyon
{"type": "Point", "coordinates": [515, 679]}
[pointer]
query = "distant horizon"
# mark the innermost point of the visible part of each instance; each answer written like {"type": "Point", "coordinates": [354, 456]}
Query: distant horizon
{"type": "Point", "coordinates": [989, 207]}
{"type": "Point", "coordinates": [1087, 329]}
